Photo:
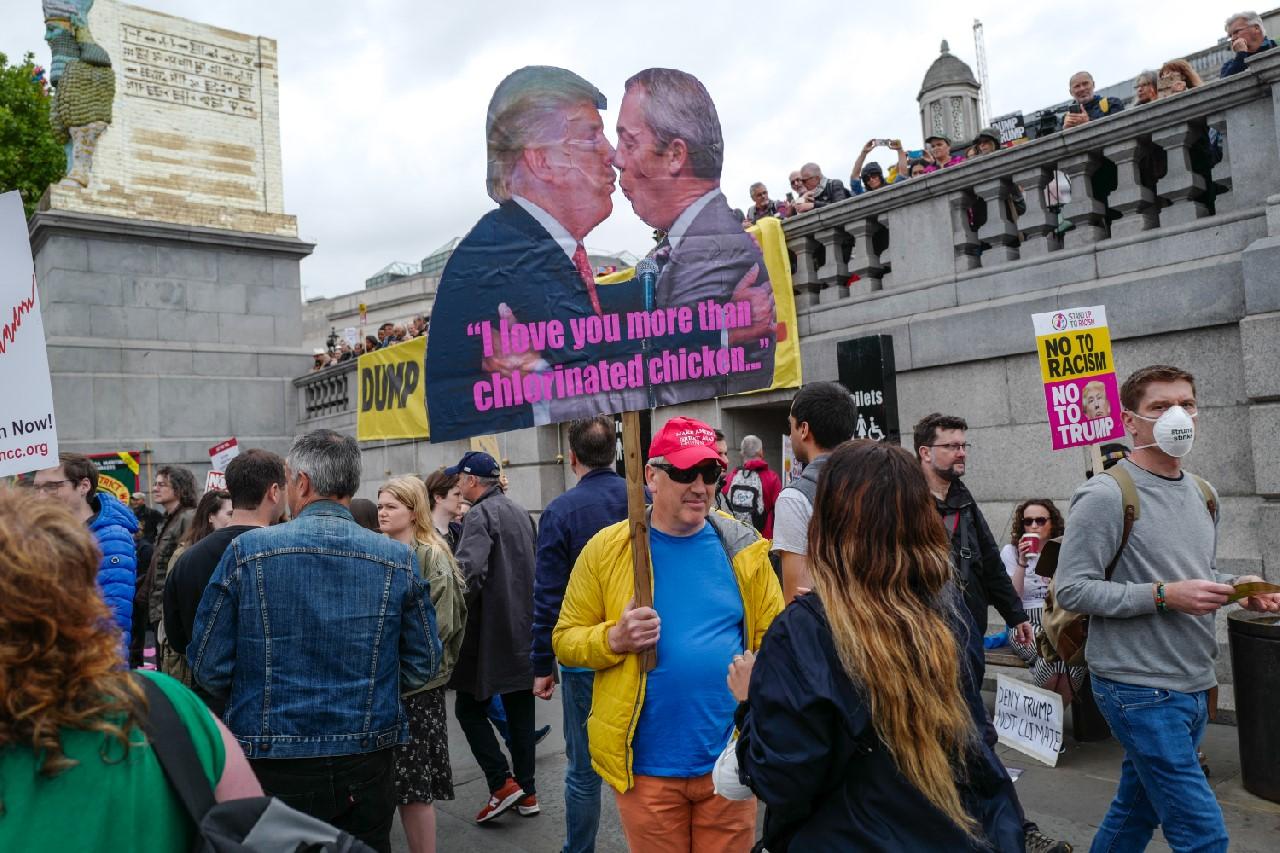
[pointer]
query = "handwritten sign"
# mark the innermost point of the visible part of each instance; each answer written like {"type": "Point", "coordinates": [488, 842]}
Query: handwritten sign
{"type": "Point", "coordinates": [1029, 719]}
{"type": "Point", "coordinates": [1081, 394]}
{"type": "Point", "coordinates": [221, 454]}
{"type": "Point", "coordinates": [28, 435]}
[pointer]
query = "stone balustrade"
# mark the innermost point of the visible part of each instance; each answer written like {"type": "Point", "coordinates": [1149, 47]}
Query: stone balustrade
{"type": "Point", "coordinates": [1145, 170]}
{"type": "Point", "coordinates": [327, 395]}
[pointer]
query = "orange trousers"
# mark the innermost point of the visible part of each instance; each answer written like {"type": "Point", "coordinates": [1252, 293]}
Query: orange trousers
{"type": "Point", "coordinates": [661, 815]}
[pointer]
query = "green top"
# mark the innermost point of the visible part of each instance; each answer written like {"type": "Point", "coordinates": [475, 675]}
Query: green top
{"type": "Point", "coordinates": [450, 603]}
{"type": "Point", "coordinates": [114, 804]}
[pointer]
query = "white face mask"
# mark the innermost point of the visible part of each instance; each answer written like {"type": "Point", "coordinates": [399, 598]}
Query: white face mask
{"type": "Point", "coordinates": [1174, 431]}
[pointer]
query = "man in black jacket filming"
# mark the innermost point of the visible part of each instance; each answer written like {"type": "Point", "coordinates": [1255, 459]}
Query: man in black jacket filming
{"type": "Point", "coordinates": [940, 444]}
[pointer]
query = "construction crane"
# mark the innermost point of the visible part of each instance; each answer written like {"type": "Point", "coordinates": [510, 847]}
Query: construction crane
{"type": "Point", "coordinates": [980, 48]}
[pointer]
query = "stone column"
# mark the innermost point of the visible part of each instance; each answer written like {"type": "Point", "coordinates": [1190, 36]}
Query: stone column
{"type": "Point", "coordinates": [1225, 200]}
{"type": "Point", "coordinates": [834, 272]}
{"type": "Point", "coordinates": [1085, 210]}
{"type": "Point", "coordinates": [1133, 200]}
{"type": "Point", "coordinates": [865, 260]}
{"type": "Point", "coordinates": [999, 234]}
{"type": "Point", "coordinates": [805, 279]}
{"type": "Point", "coordinates": [1038, 223]}
{"type": "Point", "coordinates": [1181, 187]}
{"type": "Point", "coordinates": [963, 237]}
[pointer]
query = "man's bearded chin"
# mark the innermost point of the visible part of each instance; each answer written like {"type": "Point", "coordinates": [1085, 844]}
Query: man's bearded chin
{"type": "Point", "coordinates": [950, 474]}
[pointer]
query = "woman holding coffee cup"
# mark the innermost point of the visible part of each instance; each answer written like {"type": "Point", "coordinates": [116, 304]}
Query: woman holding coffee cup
{"type": "Point", "coordinates": [1034, 521]}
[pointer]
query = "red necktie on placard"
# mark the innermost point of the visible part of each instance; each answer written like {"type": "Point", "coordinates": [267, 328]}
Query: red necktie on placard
{"type": "Point", "coordinates": [588, 276]}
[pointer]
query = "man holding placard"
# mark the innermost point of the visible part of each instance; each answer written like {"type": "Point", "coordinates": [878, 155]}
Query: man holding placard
{"type": "Point", "coordinates": [1152, 588]}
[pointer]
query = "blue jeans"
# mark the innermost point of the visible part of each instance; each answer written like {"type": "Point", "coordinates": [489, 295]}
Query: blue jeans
{"type": "Point", "coordinates": [1161, 783]}
{"type": "Point", "coordinates": [581, 783]}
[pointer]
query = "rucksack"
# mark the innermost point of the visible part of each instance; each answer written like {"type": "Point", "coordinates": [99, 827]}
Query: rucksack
{"type": "Point", "coordinates": [250, 825]}
{"type": "Point", "coordinates": [746, 497]}
{"type": "Point", "coordinates": [1063, 632]}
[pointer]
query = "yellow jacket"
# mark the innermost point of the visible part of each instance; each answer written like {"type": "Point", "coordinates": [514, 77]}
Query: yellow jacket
{"type": "Point", "coordinates": [600, 586]}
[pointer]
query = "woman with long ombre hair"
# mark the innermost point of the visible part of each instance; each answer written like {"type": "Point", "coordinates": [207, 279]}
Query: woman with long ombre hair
{"type": "Point", "coordinates": [74, 770]}
{"type": "Point", "coordinates": [423, 773]}
{"type": "Point", "coordinates": [859, 727]}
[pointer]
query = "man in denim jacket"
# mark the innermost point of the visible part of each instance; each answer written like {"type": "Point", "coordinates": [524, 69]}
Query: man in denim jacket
{"type": "Point", "coordinates": [312, 630]}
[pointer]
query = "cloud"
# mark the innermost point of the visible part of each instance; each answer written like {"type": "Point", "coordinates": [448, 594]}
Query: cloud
{"type": "Point", "coordinates": [382, 102]}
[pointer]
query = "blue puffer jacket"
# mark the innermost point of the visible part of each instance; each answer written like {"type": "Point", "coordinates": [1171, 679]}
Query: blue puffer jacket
{"type": "Point", "coordinates": [113, 526]}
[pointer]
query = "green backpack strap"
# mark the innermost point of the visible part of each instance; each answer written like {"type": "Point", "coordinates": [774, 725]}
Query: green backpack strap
{"type": "Point", "coordinates": [1206, 492]}
{"type": "Point", "coordinates": [1132, 509]}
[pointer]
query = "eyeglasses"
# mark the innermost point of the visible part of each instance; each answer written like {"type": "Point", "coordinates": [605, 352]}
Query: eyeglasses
{"type": "Point", "coordinates": [956, 447]}
{"type": "Point", "coordinates": [684, 476]}
{"type": "Point", "coordinates": [1036, 521]}
{"type": "Point", "coordinates": [50, 486]}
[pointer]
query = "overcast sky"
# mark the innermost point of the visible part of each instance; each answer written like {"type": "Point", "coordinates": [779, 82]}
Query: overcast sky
{"type": "Point", "coordinates": [382, 102]}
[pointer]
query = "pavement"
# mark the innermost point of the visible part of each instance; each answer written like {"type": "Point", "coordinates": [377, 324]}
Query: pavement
{"type": "Point", "coordinates": [1067, 801]}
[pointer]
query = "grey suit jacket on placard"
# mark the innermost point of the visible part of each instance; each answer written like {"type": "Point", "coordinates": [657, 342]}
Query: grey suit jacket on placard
{"type": "Point", "coordinates": [708, 262]}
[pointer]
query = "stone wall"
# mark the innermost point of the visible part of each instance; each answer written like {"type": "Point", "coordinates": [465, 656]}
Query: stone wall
{"type": "Point", "coordinates": [168, 338]}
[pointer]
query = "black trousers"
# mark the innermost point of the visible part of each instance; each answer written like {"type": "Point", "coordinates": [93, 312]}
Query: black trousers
{"type": "Point", "coordinates": [484, 743]}
{"type": "Point", "coordinates": [355, 793]}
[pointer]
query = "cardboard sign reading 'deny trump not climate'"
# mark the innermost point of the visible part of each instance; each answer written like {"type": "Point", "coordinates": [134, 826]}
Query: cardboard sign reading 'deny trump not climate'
{"type": "Point", "coordinates": [522, 333]}
{"type": "Point", "coordinates": [1080, 390]}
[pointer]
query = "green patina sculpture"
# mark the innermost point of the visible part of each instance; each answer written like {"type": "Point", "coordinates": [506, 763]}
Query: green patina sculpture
{"type": "Point", "coordinates": [84, 85]}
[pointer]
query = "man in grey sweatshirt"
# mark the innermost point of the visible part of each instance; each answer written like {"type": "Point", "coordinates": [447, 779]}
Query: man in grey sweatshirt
{"type": "Point", "coordinates": [1151, 643]}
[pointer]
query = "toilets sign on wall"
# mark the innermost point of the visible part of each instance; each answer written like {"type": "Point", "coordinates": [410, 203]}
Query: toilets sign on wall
{"type": "Point", "coordinates": [866, 369]}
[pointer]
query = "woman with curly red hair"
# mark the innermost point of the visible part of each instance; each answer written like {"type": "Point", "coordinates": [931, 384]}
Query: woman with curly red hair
{"type": "Point", "coordinates": [76, 770]}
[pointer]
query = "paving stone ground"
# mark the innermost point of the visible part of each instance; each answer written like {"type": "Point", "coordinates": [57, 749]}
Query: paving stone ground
{"type": "Point", "coordinates": [1068, 801]}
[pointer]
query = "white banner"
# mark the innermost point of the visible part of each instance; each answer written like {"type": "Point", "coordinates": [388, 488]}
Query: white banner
{"type": "Point", "coordinates": [1029, 719]}
{"type": "Point", "coordinates": [28, 437]}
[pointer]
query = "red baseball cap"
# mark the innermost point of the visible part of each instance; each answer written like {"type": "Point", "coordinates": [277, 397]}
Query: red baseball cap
{"type": "Point", "coordinates": [684, 442]}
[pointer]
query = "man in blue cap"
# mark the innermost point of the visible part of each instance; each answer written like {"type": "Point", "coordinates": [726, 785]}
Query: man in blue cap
{"type": "Point", "coordinates": [496, 551]}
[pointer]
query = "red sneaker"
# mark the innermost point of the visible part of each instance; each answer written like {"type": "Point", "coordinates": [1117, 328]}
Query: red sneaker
{"type": "Point", "coordinates": [500, 800]}
{"type": "Point", "coordinates": [528, 805]}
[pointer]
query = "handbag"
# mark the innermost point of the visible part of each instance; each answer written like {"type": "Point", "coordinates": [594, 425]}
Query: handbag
{"type": "Point", "coordinates": [250, 825]}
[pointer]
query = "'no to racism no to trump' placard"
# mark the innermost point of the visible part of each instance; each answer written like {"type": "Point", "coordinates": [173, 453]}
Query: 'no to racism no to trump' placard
{"type": "Point", "coordinates": [1080, 390]}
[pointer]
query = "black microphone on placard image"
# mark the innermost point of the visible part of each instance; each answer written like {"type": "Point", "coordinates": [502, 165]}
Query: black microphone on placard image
{"type": "Point", "coordinates": [647, 272]}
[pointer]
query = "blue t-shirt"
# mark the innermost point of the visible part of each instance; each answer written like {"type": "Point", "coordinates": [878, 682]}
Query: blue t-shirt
{"type": "Point", "coordinates": [688, 710]}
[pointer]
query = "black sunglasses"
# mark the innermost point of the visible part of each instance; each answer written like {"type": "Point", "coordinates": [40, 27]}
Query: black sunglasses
{"type": "Point", "coordinates": [1039, 520]}
{"type": "Point", "coordinates": [684, 476]}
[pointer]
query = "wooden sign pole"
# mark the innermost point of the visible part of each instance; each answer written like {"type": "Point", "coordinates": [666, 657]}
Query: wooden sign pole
{"type": "Point", "coordinates": [636, 522]}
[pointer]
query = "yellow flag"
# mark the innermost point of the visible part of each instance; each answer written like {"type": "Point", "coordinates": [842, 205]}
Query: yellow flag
{"type": "Point", "coordinates": [393, 395]}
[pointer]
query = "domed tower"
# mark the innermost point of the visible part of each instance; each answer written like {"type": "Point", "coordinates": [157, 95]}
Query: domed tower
{"type": "Point", "coordinates": [949, 99]}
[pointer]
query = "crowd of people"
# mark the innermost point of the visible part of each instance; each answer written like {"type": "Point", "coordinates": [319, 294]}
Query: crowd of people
{"type": "Point", "coordinates": [339, 349]}
{"type": "Point", "coordinates": [818, 643]}
{"type": "Point", "coordinates": [1246, 36]}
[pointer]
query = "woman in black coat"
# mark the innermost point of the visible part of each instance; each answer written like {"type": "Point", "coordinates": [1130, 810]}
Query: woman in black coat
{"type": "Point", "coordinates": [860, 730]}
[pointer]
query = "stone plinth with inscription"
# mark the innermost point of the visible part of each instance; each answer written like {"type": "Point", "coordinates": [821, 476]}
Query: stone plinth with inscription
{"type": "Point", "coordinates": [195, 138]}
{"type": "Point", "coordinates": [170, 284]}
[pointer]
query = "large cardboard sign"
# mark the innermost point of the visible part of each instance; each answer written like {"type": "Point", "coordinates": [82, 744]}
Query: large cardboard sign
{"type": "Point", "coordinates": [1080, 391]}
{"type": "Point", "coordinates": [522, 334]}
{"type": "Point", "coordinates": [392, 399]}
{"type": "Point", "coordinates": [1029, 719]}
{"type": "Point", "coordinates": [28, 435]}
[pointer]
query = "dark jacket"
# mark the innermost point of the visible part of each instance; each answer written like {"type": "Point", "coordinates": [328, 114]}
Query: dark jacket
{"type": "Point", "coordinates": [113, 525]}
{"type": "Point", "coordinates": [1236, 64]}
{"type": "Point", "coordinates": [976, 556]}
{"type": "Point", "coordinates": [183, 589]}
{"type": "Point", "coordinates": [508, 257]}
{"type": "Point", "coordinates": [808, 749]}
{"type": "Point", "coordinates": [312, 630]}
{"type": "Point", "coordinates": [496, 553]}
{"type": "Point", "coordinates": [1099, 107]}
{"type": "Point", "coordinates": [832, 192]}
{"type": "Point", "coordinates": [175, 527]}
{"type": "Point", "coordinates": [708, 262]}
{"type": "Point", "coordinates": [566, 525]}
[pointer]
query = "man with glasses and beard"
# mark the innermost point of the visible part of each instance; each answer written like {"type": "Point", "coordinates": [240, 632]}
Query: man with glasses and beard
{"type": "Point", "coordinates": [940, 444]}
{"type": "Point", "coordinates": [714, 595]}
